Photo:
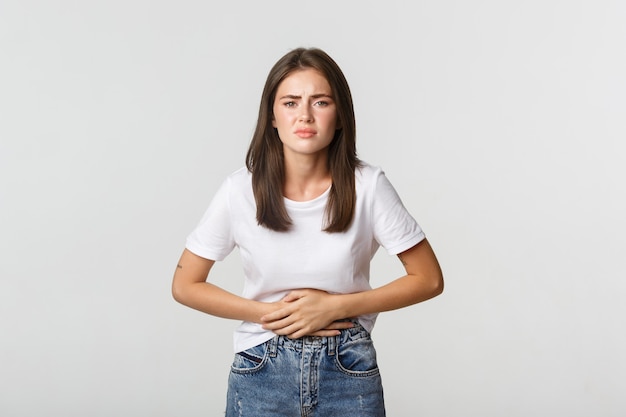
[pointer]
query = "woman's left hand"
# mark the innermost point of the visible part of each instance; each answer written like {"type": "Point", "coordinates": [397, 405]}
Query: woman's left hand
{"type": "Point", "coordinates": [306, 312]}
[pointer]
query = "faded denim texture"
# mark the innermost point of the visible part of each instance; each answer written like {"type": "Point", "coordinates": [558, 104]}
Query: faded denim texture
{"type": "Point", "coordinates": [311, 376]}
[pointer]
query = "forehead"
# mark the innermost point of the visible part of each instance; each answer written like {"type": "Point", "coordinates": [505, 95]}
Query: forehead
{"type": "Point", "coordinates": [304, 80]}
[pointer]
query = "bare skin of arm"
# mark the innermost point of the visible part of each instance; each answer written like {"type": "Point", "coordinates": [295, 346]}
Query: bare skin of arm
{"type": "Point", "coordinates": [308, 310]}
{"type": "Point", "coordinates": [189, 287]}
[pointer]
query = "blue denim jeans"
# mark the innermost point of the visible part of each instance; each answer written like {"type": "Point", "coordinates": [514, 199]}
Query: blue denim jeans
{"type": "Point", "coordinates": [311, 376]}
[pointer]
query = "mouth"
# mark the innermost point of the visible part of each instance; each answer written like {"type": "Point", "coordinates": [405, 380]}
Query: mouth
{"type": "Point", "coordinates": [305, 132]}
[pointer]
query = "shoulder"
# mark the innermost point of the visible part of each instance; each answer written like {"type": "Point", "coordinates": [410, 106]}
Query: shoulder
{"type": "Point", "coordinates": [236, 183]}
{"type": "Point", "coordinates": [239, 178]}
{"type": "Point", "coordinates": [372, 183]}
{"type": "Point", "coordinates": [240, 174]}
{"type": "Point", "coordinates": [368, 176]}
{"type": "Point", "coordinates": [367, 173]}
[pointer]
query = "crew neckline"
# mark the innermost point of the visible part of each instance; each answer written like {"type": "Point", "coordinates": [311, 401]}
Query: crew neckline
{"type": "Point", "coordinates": [308, 203]}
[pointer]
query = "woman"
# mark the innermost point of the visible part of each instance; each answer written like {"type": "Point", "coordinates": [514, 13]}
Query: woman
{"type": "Point", "coordinates": [307, 216]}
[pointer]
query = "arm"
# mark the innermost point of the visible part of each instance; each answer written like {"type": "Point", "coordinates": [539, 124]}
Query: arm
{"type": "Point", "coordinates": [423, 281]}
{"type": "Point", "coordinates": [309, 310]}
{"type": "Point", "coordinates": [189, 287]}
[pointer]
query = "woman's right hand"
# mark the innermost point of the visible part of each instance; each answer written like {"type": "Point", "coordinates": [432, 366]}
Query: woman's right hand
{"type": "Point", "coordinates": [305, 312]}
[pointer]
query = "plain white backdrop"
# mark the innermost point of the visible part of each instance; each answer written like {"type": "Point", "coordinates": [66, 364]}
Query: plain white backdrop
{"type": "Point", "coordinates": [501, 124]}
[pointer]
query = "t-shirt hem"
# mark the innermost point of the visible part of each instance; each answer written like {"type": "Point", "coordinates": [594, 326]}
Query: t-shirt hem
{"type": "Point", "coordinates": [408, 244]}
{"type": "Point", "coordinates": [203, 253]}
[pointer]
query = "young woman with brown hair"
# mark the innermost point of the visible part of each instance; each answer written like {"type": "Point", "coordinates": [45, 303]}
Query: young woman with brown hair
{"type": "Point", "coordinates": [307, 217]}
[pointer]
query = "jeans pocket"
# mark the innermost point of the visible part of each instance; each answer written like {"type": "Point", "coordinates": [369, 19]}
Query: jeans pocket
{"type": "Point", "coordinates": [357, 357]}
{"type": "Point", "coordinates": [250, 360]}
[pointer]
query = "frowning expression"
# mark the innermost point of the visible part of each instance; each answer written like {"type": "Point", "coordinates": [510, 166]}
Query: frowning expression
{"type": "Point", "coordinates": [305, 113]}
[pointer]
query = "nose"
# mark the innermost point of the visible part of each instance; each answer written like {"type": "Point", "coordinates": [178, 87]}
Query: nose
{"type": "Point", "coordinates": [305, 114]}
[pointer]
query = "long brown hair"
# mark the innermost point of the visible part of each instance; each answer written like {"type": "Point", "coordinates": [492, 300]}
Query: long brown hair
{"type": "Point", "coordinates": [265, 158]}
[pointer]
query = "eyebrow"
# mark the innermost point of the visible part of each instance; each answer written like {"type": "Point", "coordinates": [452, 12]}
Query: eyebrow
{"type": "Point", "coordinates": [294, 96]}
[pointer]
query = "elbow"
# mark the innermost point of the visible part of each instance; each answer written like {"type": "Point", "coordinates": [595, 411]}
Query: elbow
{"type": "Point", "coordinates": [178, 292]}
{"type": "Point", "coordinates": [427, 287]}
{"type": "Point", "coordinates": [436, 286]}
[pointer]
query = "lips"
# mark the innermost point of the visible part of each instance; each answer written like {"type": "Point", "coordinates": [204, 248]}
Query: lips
{"type": "Point", "coordinates": [305, 132]}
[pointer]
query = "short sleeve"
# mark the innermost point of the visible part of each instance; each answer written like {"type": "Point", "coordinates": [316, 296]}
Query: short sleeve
{"type": "Point", "coordinates": [213, 237]}
{"type": "Point", "coordinates": [394, 227]}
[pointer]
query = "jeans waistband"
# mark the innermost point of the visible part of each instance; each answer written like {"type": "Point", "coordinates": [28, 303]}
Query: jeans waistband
{"type": "Point", "coordinates": [330, 342]}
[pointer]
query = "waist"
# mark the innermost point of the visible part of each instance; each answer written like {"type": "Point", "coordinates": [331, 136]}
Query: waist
{"type": "Point", "coordinates": [353, 333]}
{"type": "Point", "coordinates": [250, 334]}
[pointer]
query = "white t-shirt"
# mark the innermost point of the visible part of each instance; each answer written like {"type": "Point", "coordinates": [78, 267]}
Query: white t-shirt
{"type": "Point", "coordinates": [305, 256]}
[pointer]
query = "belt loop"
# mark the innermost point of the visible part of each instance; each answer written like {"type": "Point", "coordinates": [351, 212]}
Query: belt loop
{"type": "Point", "coordinates": [332, 343]}
{"type": "Point", "coordinates": [272, 346]}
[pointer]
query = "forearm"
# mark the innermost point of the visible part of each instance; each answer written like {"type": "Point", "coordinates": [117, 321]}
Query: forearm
{"type": "Point", "coordinates": [213, 300]}
{"type": "Point", "coordinates": [402, 292]}
{"type": "Point", "coordinates": [189, 287]}
{"type": "Point", "coordinates": [423, 280]}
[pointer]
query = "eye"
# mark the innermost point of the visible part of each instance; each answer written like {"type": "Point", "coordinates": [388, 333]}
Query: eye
{"type": "Point", "coordinates": [322, 103]}
{"type": "Point", "coordinates": [289, 103]}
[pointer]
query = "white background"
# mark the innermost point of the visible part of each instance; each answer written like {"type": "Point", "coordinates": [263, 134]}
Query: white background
{"type": "Point", "coordinates": [501, 124]}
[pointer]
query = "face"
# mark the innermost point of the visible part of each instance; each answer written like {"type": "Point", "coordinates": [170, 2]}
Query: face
{"type": "Point", "coordinates": [305, 114]}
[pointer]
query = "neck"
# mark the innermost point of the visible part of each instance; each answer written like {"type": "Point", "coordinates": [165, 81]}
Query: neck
{"type": "Point", "coordinates": [306, 177]}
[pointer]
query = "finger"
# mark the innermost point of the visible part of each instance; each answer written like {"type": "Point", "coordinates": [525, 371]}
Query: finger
{"type": "Point", "coordinates": [278, 325]}
{"type": "Point", "coordinates": [276, 315]}
{"type": "Point", "coordinates": [292, 331]}
{"type": "Point", "coordinates": [325, 333]}
{"type": "Point", "coordinates": [292, 296]}
{"type": "Point", "coordinates": [340, 325]}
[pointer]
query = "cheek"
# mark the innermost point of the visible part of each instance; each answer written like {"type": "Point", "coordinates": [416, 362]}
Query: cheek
{"type": "Point", "coordinates": [279, 118]}
{"type": "Point", "coordinates": [331, 121]}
